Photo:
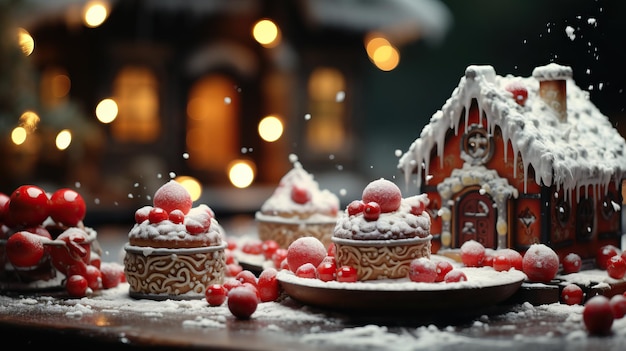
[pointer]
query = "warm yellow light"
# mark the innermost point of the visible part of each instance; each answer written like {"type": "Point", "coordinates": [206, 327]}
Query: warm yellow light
{"type": "Point", "coordinates": [64, 139]}
{"type": "Point", "coordinates": [241, 173]}
{"type": "Point", "coordinates": [29, 121]}
{"type": "Point", "coordinates": [18, 135]}
{"type": "Point", "coordinates": [95, 13]}
{"type": "Point", "coordinates": [374, 43]}
{"type": "Point", "coordinates": [266, 33]}
{"type": "Point", "coordinates": [106, 111]}
{"type": "Point", "coordinates": [270, 128]}
{"type": "Point", "coordinates": [26, 41]}
{"type": "Point", "coordinates": [386, 58]}
{"type": "Point", "coordinates": [192, 185]}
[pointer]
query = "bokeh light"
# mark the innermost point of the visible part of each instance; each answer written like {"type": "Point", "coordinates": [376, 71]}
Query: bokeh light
{"type": "Point", "coordinates": [63, 139]}
{"type": "Point", "coordinates": [26, 41]}
{"type": "Point", "coordinates": [241, 173]}
{"type": "Point", "coordinates": [106, 111]}
{"type": "Point", "coordinates": [266, 33]}
{"type": "Point", "coordinates": [192, 185]}
{"type": "Point", "coordinates": [270, 128]}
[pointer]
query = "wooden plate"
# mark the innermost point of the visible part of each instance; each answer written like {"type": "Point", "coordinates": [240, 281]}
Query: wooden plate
{"type": "Point", "coordinates": [484, 287]}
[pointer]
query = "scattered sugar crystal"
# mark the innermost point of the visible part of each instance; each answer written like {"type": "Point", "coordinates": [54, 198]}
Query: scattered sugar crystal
{"type": "Point", "coordinates": [569, 30]}
{"type": "Point", "coordinates": [186, 155]}
{"type": "Point", "coordinates": [227, 100]}
{"type": "Point", "coordinates": [307, 116]}
{"type": "Point", "coordinates": [341, 95]}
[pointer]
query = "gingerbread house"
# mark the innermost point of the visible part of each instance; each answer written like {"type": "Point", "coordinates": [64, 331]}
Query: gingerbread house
{"type": "Point", "coordinates": [510, 161]}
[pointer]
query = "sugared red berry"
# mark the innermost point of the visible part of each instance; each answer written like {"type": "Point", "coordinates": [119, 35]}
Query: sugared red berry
{"type": "Point", "coordinates": [28, 206]}
{"type": "Point", "coordinates": [142, 214]}
{"type": "Point", "coordinates": [67, 206]}
{"type": "Point", "coordinates": [307, 270]}
{"type": "Point", "coordinates": [4, 206]}
{"type": "Point", "coordinates": [242, 302]}
{"type": "Point", "coordinates": [171, 196]}
{"type": "Point", "coordinates": [616, 267]}
{"type": "Point", "coordinates": [572, 294]}
{"type": "Point", "coordinates": [157, 215]}
{"type": "Point", "coordinates": [618, 305]}
{"type": "Point", "coordinates": [514, 257]}
{"type": "Point", "coordinates": [442, 268]}
{"type": "Point", "coordinates": [604, 253]}
{"type": "Point", "coordinates": [385, 193]}
{"type": "Point", "coordinates": [472, 253]}
{"type": "Point", "coordinates": [300, 194]}
{"type": "Point", "coordinates": [418, 208]}
{"type": "Point", "coordinates": [278, 257]}
{"type": "Point", "coordinates": [111, 274]}
{"type": "Point", "coordinates": [269, 247]}
{"type": "Point", "coordinates": [598, 315]}
{"type": "Point", "coordinates": [371, 211]}
{"type": "Point", "coordinates": [267, 284]}
{"type": "Point", "coordinates": [571, 263]}
{"type": "Point", "coordinates": [215, 294]}
{"type": "Point", "coordinates": [77, 286]}
{"type": "Point", "coordinates": [332, 250]}
{"type": "Point", "coordinates": [501, 263]}
{"type": "Point", "coordinates": [246, 276]}
{"type": "Point", "coordinates": [540, 263]}
{"type": "Point", "coordinates": [94, 277]}
{"type": "Point", "coordinates": [327, 270]}
{"type": "Point", "coordinates": [76, 248]}
{"type": "Point", "coordinates": [24, 249]}
{"type": "Point", "coordinates": [347, 274]}
{"type": "Point", "coordinates": [355, 207]}
{"type": "Point", "coordinates": [252, 247]}
{"type": "Point", "coordinates": [230, 284]}
{"type": "Point", "coordinates": [307, 249]}
{"type": "Point", "coordinates": [233, 269]}
{"type": "Point", "coordinates": [519, 91]}
{"type": "Point", "coordinates": [422, 270]}
{"type": "Point", "coordinates": [177, 216]}
{"type": "Point", "coordinates": [455, 276]}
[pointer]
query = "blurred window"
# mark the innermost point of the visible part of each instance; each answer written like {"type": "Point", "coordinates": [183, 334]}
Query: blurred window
{"type": "Point", "coordinates": [213, 123]}
{"type": "Point", "coordinates": [325, 132]}
{"type": "Point", "coordinates": [136, 92]}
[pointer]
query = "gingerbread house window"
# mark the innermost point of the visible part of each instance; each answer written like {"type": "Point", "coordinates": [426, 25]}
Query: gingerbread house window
{"type": "Point", "coordinates": [585, 214]}
{"type": "Point", "coordinates": [608, 204]}
{"type": "Point", "coordinates": [477, 145]}
{"type": "Point", "coordinates": [563, 211]}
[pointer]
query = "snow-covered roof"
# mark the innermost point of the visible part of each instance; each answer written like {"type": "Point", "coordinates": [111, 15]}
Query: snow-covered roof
{"type": "Point", "coordinates": [582, 150]}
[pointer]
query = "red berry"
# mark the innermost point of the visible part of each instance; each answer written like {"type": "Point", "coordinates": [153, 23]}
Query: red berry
{"type": "Point", "coordinates": [307, 270]}
{"type": "Point", "coordinates": [514, 257]}
{"type": "Point", "coordinates": [95, 259]}
{"type": "Point", "coordinates": [253, 247]}
{"type": "Point", "coordinates": [172, 196]}
{"type": "Point", "coordinates": [332, 250]}
{"type": "Point", "coordinates": [604, 253]}
{"type": "Point", "coordinates": [142, 214]}
{"type": "Point", "coordinates": [111, 274]}
{"type": "Point", "coordinates": [177, 216]}
{"type": "Point", "coordinates": [157, 215]}
{"type": "Point", "coordinates": [307, 249]}
{"type": "Point", "coordinates": [278, 257]}
{"type": "Point", "coordinates": [488, 260]}
{"type": "Point", "coordinates": [77, 286]}
{"type": "Point", "coordinates": [242, 302]}
{"type": "Point", "coordinates": [347, 274]}
{"type": "Point", "coordinates": [618, 305]}
{"type": "Point", "coordinates": [355, 207]}
{"type": "Point", "coordinates": [616, 267]}
{"type": "Point", "coordinates": [268, 248]}
{"type": "Point", "coordinates": [519, 91]}
{"type": "Point", "coordinates": [371, 211]}
{"type": "Point", "coordinates": [383, 192]}
{"type": "Point", "coordinates": [28, 206]}
{"type": "Point", "coordinates": [598, 315]}
{"type": "Point", "coordinates": [455, 276]}
{"type": "Point", "coordinates": [231, 284]}
{"type": "Point", "coordinates": [540, 263]}
{"type": "Point", "coordinates": [267, 284]}
{"type": "Point", "coordinates": [24, 249]}
{"type": "Point", "coordinates": [572, 294]}
{"type": "Point", "coordinates": [245, 276]}
{"type": "Point", "coordinates": [215, 294]}
{"type": "Point", "coordinates": [67, 206]}
{"type": "Point", "coordinates": [233, 269]}
{"type": "Point", "coordinates": [472, 253]}
{"type": "Point", "coordinates": [77, 268]}
{"type": "Point", "coordinates": [422, 270]}
{"type": "Point", "coordinates": [327, 270]}
{"type": "Point", "coordinates": [4, 206]}
{"type": "Point", "coordinates": [571, 263]}
{"type": "Point", "coordinates": [94, 277]}
{"type": "Point", "coordinates": [501, 263]}
{"type": "Point", "coordinates": [418, 208]}
{"type": "Point", "coordinates": [443, 267]}
{"type": "Point", "coordinates": [300, 194]}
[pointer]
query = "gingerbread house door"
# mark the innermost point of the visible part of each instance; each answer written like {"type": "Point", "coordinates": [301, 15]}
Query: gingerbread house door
{"type": "Point", "coordinates": [476, 219]}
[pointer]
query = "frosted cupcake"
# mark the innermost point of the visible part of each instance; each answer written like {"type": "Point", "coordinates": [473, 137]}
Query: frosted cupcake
{"type": "Point", "coordinates": [382, 233]}
{"type": "Point", "coordinates": [174, 251]}
{"type": "Point", "coordinates": [298, 208]}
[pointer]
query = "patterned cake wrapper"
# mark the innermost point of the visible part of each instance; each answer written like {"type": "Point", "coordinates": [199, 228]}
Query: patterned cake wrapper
{"type": "Point", "coordinates": [286, 232]}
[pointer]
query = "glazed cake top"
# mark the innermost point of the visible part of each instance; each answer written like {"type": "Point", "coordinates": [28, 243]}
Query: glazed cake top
{"type": "Point", "coordinates": [312, 203]}
{"type": "Point", "coordinates": [402, 223]}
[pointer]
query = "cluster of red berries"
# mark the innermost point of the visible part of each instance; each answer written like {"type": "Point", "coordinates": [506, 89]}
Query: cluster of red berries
{"type": "Point", "coordinates": [30, 245]}
{"type": "Point", "coordinates": [380, 196]}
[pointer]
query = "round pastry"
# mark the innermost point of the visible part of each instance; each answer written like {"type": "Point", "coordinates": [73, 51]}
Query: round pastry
{"type": "Point", "coordinates": [298, 208]}
{"type": "Point", "coordinates": [174, 251]}
{"type": "Point", "coordinates": [382, 233]}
